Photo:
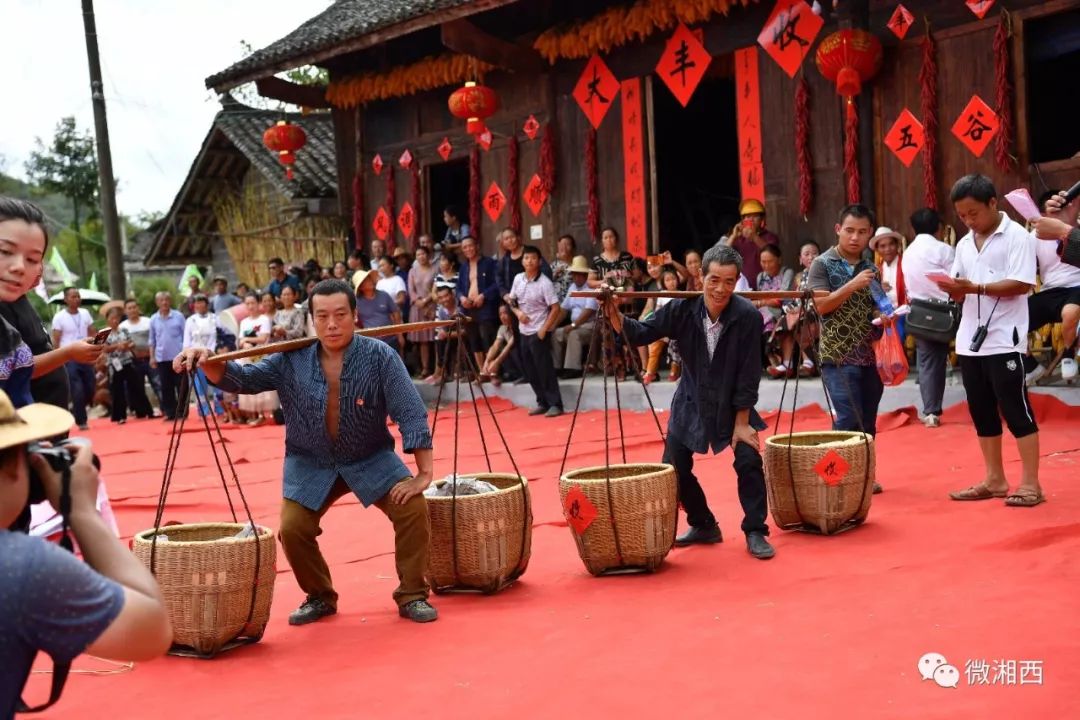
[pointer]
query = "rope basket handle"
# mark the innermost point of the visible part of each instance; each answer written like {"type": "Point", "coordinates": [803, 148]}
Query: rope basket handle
{"type": "Point", "coordinates": [607, 334]}
{"type": "Point", "coordinates": [465, 357]}
{"type": "Point", "coordinates": [809, 305]}
{"type": "Point", "coordinates": [183, 407]}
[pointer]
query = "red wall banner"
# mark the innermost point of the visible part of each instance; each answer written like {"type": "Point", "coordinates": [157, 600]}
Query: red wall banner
{"type": "Point", "coordinates": [634, 168]}
{"type": "Point", "coordinates": [748, 109]}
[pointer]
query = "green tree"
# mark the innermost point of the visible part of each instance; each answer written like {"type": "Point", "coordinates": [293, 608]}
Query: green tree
{"type": "Point", "coordinates": [68, 167]}
{"type": "Point", "coordinates": [305, 75]}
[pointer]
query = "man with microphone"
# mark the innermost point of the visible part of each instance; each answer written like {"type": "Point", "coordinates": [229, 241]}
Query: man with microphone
{"type": "Point", "coordinates": [1054, 226]}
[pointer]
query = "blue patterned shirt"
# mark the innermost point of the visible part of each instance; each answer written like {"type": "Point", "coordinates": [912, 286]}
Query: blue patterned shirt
{"type": "Point", "coordinates": [374, 384]}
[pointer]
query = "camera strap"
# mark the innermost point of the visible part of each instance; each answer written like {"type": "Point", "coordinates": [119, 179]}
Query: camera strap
{"type": "Point", "coordinates": [978, 311]}
{"type": "Point", "coordinates": [60, 670]}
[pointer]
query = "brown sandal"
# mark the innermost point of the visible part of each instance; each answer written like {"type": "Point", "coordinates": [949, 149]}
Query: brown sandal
{"type": "Point", "coordinates": [1024, 497]}
{"type": "Point", "coordinates": [977, 492]}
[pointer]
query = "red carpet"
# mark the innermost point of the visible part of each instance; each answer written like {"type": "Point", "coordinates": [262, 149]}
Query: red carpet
{"type": "Point", "coordinates": [833, 627]}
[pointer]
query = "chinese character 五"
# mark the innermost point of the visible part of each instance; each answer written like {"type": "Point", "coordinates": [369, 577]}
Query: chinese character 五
{"type": "Point", "coordinates": [906, 140]}
{"type": "Point", "coordinates": [977, 672]}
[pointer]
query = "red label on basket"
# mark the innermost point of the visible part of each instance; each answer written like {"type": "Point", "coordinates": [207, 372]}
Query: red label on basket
{"type": "Point", "coordinates": [832, 468]}
{"type": "Point", "coordinates": [579, 510]}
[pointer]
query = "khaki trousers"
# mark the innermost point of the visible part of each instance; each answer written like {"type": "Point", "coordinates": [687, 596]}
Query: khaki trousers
{"type": "Point", "coordinates": [300, 530]}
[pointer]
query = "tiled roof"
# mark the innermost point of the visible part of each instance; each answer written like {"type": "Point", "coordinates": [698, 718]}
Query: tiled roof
{"type": "Point", "coordinates": [343, 21]}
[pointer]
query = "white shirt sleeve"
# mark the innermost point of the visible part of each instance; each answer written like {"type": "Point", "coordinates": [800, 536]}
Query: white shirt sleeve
{"type": "Point", "coordinates": [189, 328]}
{"type": "Point", "coordinates": [1022, 258]}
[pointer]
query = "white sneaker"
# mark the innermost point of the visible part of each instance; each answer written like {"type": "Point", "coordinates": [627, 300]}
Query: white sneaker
{"type": "Point", "coordinates": [931, 421]}
{"type": "Point", "coordinates": [1068, 368]}
{"type": "Point", "coordinates": [1035, 375]}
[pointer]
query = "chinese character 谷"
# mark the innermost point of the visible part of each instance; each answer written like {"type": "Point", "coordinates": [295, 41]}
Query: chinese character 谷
{"type": "Point", "coordinates": [976, 127]}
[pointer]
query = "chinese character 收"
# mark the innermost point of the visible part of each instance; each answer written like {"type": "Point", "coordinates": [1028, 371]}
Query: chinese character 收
{"type": "Point", "coordinates": [976, 127]}
{"type": "Point", "coordinates": [682, 62]}
{"type": "Point", "coordinates": [785, 34]}
{"type": "Point", "coordinates": [977, 672]}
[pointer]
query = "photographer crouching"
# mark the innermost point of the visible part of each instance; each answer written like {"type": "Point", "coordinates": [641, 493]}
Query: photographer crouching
{"type": "Point", "coordinates": [108, 606]}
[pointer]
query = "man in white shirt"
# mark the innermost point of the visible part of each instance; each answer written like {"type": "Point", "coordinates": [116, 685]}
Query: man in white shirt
{"type": "Point", "coordinates": [925, 255]}
{"type": "Point", "coordinates": [70, 325]}
{"type": "Point", "coordinates": [571, 340]}
{"type": "Point", "coordinates": [1058, 299]}
{"type": "Point", "coordinates": [536, 305]}
{"type": "Point", "coordinates": [993, 272]}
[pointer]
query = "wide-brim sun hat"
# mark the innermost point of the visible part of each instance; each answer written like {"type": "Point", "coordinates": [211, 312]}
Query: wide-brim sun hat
{"type": "Point", "coordinates": [31, 422]}
{"type": "Point", "coordinates": [358, 279]}
{"type": "Point", "coordinates": [884, 232]}
{"type": "Point", "coordinates": [579, 265]}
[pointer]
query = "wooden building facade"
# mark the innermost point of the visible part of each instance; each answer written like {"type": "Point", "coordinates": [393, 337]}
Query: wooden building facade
{"type": "Point", "coordinates": [393, 66]}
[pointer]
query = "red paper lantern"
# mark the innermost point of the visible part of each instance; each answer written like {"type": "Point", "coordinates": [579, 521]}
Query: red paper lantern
{"type": "Point", "coordinates": [285, 139]}
{"type": "Point", "coordinates": [849, 58]}
{"type": "Point", "coordinates": [473, 103]}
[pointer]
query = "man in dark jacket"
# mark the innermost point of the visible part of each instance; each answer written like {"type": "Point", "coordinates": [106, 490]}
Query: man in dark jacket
{"type": "Point", "coordinates": [719, 336]}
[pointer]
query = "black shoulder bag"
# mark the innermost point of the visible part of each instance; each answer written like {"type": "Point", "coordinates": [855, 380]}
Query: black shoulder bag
{"type": "Point", "coordinates": [933, 320]}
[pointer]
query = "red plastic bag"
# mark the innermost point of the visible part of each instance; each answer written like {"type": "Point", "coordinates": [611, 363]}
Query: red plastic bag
{"type": "Point", "coordinates": [892, 364]}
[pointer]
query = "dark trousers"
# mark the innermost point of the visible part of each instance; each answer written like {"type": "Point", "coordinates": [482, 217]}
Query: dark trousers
{"type": "Point", "coordinates": [83, 383]}
{"type": "Point", "coordinates": [539, 370]}
{"type": "Point", "coordinates": [751, 477]}
{"type": "Point", "coordinates": [123, 384]}
{"type": "Point", "coordinates": [301, 527]}
{"type": "Point", "coordinates": [170, 386]}
{"type": "Point", "coordinates": [932, 358]}
{"type": "Point", "coordinates": [142, 369]}
{"type": "Point", "coordinates": [855, 391]}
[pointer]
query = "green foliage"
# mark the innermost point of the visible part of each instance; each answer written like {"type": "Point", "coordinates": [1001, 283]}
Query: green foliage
{"type": "Point", "coordinates": [44, 310]}
{"type": "Point", "coordinates": [56, 207]}
{"type": "Point", "coordinates": [145, 288]}
{"type": "Point", "coordinates": [305, 75]}
{"type": "Point", "coordinates": [68, 166]}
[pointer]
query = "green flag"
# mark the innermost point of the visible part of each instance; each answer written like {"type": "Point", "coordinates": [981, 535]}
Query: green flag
{"type": "Point", "coordinates": [56, 261]}
{"type": "Point", "coordinates": [189, 271]}
{"type": "Point", "coordinates": [93, 282]}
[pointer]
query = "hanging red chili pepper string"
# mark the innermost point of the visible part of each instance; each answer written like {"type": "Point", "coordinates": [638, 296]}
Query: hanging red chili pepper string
{"type": "Point", "coordinates": [474, 191]}
{"type": "Point", "coordinates": [547, 160]}
{"type": "Point", "coordinates": [416, 202]}
{"type": "Point", "coordinates": [391, 202]}
{"type": "Point", "coordinates": [1003, 157]}
{"type": "Point", "coordinates": [851, 151]}
{"type": "Point", "coordinates": [358, 209]}
{"type": "Point", "coordinates": [512, 194]}
{"type": "Point", "coordinates": [591, 184]}
{"type": "Point", "coordinates": [928, 107]}
{"type": "Point", "coordinates": [802, 147]}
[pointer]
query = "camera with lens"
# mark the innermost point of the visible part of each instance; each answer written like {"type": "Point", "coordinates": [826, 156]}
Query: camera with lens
{"type": "Point", "coordinates": [59, 455]}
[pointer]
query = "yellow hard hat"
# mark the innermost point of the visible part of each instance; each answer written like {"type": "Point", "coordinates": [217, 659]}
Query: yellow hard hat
{"type": "Point", "coordinates": [751, 207]}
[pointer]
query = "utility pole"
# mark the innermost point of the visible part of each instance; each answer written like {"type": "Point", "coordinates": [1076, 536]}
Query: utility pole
{"type": "Point", "coordinates": [114, 253]}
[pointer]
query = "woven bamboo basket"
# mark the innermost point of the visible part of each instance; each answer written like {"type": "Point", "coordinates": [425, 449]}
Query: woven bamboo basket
{"type": "Point", "coordinates": [799, 497]}
{"type": "Point", "coordinates": [206, 577]}
{"type": "Point", "coordinates": [493, 536]}
{"type": "Point", "coordinates": [644, 502]}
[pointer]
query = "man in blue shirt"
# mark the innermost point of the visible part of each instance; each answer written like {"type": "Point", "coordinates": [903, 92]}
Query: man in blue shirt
{"type": "Point", "coordinates": [166, 342]}
{"type": "Point", "coordinates": [279, 279]}
{"type": "Point", "coordinates": [50, 601]}
{"type": "Point", "coordinates": [351, 384]}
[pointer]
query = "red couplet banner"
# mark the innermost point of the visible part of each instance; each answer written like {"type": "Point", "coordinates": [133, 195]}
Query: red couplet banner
{"type": "Point", "coordinates": [748, 108]}
{"type": "Point", "coordinates": [634, 168]}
